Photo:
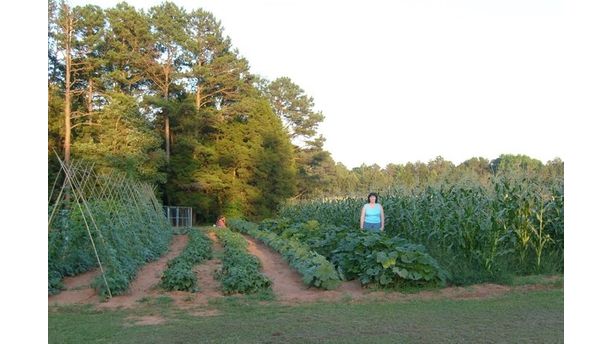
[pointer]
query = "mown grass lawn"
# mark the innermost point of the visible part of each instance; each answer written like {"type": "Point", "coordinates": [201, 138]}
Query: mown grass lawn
{"type": "Point", "coordinates": [517, 317]}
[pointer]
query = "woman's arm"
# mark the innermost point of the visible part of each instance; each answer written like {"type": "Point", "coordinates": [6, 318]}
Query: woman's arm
{"type": "Point", "coordinates": [362, 217]}
{"type": "Point", "coordinates": [382, 219]}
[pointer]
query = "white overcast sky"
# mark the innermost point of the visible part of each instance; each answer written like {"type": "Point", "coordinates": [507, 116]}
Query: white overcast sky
{"type": "Point", "coordinates": [402, 81]}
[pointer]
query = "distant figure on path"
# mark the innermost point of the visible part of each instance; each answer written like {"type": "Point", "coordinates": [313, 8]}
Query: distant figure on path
{"type": "Point", "coordinates": [372, 215]}
{"type": "Point", "coordinates": [220, 222]}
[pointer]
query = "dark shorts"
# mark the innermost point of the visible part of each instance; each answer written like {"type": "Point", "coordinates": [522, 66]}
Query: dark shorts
{"type": "Point", "coordinates": [374, 227]}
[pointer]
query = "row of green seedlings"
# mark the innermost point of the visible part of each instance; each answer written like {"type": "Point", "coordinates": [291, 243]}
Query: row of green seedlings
{"type": "Point", "coordinates": [241, 271]}
{"type": "Point", "coordinates": [123, 246]}
{"type": "Point", "coordinates": [315, 269]}
{"type": "Point", "coordinates": [372, 258]}
{"type": "Point", "coordinates": [179, 273]}
{"type": "Point", "coordinates": [513, 226]}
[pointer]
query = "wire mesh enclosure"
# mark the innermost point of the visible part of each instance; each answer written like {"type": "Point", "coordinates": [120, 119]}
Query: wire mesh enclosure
{"type": "Point", "coordinates": [179, 216]}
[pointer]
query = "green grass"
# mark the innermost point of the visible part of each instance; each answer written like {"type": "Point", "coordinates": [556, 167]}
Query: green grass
{"type": "Point", "coordinates": [532, 317]}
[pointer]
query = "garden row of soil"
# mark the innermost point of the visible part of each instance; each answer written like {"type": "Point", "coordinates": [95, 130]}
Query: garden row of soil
{"type": "Point", "coordinates": [287, 284]}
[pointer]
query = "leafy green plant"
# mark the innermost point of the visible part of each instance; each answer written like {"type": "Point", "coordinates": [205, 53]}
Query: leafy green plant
{"type": "Point", "coordinates": [240, 272]}
{"type": "Point", "coordinates": [315, 269]}
{"type": "Point", "coordinates": [124, 241]}
{"type": "Point", "coordinates": [179, 276]}
{"type": "Point", "coordinates": [475, 231]}
{"type": "Point", "coordinates": [179, 273]}
{"type": "Point", "coordinates": [325, 254]}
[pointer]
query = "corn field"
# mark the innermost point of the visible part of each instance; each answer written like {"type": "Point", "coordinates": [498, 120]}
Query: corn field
{"type": "Point", "coordinates": [477, 232]}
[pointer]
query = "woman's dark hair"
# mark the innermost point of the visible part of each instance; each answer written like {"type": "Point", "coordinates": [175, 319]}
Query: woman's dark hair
{"type": "Point", "coordinates": [373, 194]}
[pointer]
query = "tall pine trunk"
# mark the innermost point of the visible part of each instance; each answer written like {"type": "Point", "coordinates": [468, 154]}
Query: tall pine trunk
{"type": "Point", "coordinates": [68, 27]}
{"type": "Point", "coordinates": [198, 98]}
{"type": "Point", "coordinates": [167, 132]}
{"type": "Point", "coordinates": [166, 117]}
{"type": "Point", "coordinates": [67, 112]}
{"type": "Point", "coordinates": [90, 98]}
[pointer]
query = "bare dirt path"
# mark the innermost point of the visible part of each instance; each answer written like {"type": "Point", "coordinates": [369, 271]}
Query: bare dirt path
{"type": "Point", "coordinates": [208, 286]}
{"type": "Point", "coordinates": [78, 290]}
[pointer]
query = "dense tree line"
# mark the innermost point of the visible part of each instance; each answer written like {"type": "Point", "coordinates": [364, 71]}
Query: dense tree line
{"type": "Point", "coordinates": [162, 95]}
{"type": "Point", "coordinates": [397, 177]}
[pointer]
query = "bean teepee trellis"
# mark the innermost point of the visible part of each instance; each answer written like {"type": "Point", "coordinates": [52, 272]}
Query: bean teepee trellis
{"type": "Point", "coordinates": [104, 200]}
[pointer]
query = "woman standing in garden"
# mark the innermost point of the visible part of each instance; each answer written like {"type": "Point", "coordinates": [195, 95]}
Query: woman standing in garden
{"type": "Point", "coordinates": [372, 215]}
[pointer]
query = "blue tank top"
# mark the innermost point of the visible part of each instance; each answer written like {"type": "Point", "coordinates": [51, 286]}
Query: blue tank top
{"type": "Point", "coordinates": [372, 215]}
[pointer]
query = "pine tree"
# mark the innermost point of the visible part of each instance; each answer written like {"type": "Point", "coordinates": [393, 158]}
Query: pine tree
{"type": "Point", "coordinates": [164, 63]}
{"type": "Point", "coordinates": [295, 108]}
{"type": "Point", "coordinates": [128, 40]}
{"type": "Point", "coordinates": [64, 36]}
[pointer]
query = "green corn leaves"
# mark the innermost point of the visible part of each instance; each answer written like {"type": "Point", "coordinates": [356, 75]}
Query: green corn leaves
{"type": "Point", "coordinates": [476, 231]}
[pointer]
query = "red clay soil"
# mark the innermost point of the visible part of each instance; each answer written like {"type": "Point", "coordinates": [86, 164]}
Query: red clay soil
{"type": "Point", "coordinates": [480, 291]}
{"type": "Point", "coordinates": [78, 290]}
{"type": "Point", "coordinates": [207, 284]}
{"type": "Point", "coordinates": [144, 320]}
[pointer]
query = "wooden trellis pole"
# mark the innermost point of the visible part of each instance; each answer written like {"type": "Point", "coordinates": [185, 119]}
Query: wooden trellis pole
{"type": "Point", "coordinates": [108, 203]}
{"type": "Point", "coordinates": [78, 198]}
